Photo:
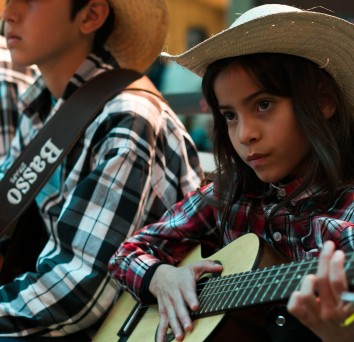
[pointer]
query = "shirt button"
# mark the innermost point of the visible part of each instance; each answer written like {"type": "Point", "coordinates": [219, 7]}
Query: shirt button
{"type": "Point", "coordinates": [277, 236]}
{"type": "Point", "coordinates": [280, 321]}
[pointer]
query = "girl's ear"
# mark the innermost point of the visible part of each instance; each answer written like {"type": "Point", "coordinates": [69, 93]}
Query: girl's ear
{"type": "Point", "coordinates": [327, 106]}
{"type": "Point", "coordinates": [326, 102]}
{"type": "Point", "coordinates": [94, 15]}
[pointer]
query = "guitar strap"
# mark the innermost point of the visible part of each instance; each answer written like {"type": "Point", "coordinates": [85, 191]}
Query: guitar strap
{"type": "Point", "coordinates": [33, 168]}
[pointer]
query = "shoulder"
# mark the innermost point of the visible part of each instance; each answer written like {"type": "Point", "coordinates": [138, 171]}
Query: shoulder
{"type": "Point", "coordinates": [144, 106]}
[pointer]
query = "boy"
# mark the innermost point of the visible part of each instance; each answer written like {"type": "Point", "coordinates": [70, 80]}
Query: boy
{"type": "Point", "coordinates": [132, 162]}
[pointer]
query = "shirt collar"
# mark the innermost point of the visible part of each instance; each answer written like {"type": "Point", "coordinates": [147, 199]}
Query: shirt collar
{"type": "Point", "coordinates": [37, 100]}
{"type": "Point", "coordinates": [285, 190]}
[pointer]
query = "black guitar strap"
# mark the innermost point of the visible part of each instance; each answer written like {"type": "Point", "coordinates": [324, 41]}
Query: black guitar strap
{"type": "Point", "coordinates": [33, 168]}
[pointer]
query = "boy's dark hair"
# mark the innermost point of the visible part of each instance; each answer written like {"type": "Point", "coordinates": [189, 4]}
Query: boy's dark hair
{"type": "Point", "coordinates": [331, 160]}
{"type": "Point", "coordinates": [104, 31]}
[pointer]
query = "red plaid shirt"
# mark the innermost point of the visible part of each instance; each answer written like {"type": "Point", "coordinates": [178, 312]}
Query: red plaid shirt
{"type": "Point", "coordinates": [297, 231]}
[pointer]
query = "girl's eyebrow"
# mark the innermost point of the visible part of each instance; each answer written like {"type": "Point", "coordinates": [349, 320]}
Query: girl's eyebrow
{"type": "Point", "coordinates": [224, 107]}
{"type": "Point", "coordinates": [247, 99]}
{"type": "Point", "coordinates": [256, 94]}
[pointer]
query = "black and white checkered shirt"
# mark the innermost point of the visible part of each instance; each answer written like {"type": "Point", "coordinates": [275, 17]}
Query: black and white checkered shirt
{"type": "Point", "coordinates": [133, 162]}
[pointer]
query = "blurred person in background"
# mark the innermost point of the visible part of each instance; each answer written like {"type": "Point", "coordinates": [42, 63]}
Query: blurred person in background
{"type": "Point", "coordinates": [14, 80]}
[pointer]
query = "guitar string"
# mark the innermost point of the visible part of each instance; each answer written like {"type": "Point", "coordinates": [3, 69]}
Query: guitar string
{"type": "Point", "coordinates": [245, 284]}
{"type": "Point", "coordinates": [282, 269]}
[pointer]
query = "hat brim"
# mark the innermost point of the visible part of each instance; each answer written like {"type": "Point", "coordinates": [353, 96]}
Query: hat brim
{"type": "Point", "coordinates": [140, 32]}
{"type": "Point", "coordinates": [326, 40]}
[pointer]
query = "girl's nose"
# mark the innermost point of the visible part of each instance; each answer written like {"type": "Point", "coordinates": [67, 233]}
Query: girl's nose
{"type": "Point", "coordinates": [248, 131]}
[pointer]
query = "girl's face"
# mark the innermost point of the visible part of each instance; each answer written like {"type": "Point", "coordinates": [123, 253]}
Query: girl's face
{"type": "Point", "coordinates": [261, 126]}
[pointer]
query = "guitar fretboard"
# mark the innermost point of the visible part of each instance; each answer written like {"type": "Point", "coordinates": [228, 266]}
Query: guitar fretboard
{"type": "Point", "coordinates": [262, 286]}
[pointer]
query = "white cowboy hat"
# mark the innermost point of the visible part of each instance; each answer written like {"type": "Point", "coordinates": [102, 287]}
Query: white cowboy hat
{"type": "Point", "coordinates": [324, 39]}
{"type": "Point", "coordinates": [140, 32]}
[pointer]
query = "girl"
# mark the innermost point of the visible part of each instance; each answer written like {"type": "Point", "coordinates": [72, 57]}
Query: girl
{"type": "Point", "coordinates": [279, 83]}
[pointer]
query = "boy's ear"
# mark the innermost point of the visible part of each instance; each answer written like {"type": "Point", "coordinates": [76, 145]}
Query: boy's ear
{"type": "Point", "coordinates": [93, 16]}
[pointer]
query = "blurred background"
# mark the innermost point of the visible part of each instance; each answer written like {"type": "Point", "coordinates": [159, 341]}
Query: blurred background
{"type": "Point", "coordinates": [192, 21]}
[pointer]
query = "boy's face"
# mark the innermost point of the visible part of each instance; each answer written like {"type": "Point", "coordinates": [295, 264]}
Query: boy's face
{"type": "Point", "coordinates": [41, 32]}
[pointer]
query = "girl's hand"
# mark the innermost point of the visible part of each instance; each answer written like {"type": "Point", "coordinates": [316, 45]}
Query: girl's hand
{"type": "Point", "coordinates": [318, 304]}
{"type": "Point", "coordinates": [175, 290]}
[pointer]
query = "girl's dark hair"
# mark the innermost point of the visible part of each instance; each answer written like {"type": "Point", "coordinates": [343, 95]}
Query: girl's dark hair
{"type": "Point", "coordinates": [104, 31]}
{"type": "Point", "coordinates": [331, 160]}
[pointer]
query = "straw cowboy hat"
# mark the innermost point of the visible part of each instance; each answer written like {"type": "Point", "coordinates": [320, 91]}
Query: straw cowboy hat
{"type": "Point", "coordinates": [140, 32]}
{"type": "Point", "coordinates": [324, 39]}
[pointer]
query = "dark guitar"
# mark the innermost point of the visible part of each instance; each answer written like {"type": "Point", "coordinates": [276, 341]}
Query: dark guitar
{"type": "Point", "coordinates": [240, 286]}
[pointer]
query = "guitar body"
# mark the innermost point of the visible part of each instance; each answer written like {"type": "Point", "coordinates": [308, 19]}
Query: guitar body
{"type": "Point", "coordinates": [241, 255]}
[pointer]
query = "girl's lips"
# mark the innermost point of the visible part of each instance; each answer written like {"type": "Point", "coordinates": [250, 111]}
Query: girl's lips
{"type": "Point", "coordinates": [254, 157]}
{"type": "Point", "coordinates": [256, 160]}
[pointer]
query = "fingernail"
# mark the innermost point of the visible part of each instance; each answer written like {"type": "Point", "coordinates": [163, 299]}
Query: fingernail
{"type": "Point", "coordinates": [327, 247]}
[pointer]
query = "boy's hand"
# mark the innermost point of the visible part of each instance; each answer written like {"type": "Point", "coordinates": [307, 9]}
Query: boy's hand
{"type": "Point", "coordinates": [318, 303]}
{"type": "Point", "coordinates": [175, 290]}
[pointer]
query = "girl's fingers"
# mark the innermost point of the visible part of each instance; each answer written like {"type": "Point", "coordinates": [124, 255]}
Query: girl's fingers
{"type": "Point", "coordinates": [295, 306]}
{"type": "Point", "coordinates": [198, 269]}
{"type": "Point", "coordinates": [175, 289]}
{"type": "Point", "coordinates": [337, 276]}
{"type": "Point", "coordinates": [303, 304]}
{"type": "Point", "coordinates": [324, 289]}
{"type": "Point", "coordinates": [162, 329]}
{"type": "Point", "coordinates": [171, 317]}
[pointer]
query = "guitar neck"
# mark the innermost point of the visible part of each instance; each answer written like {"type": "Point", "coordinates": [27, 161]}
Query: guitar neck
{"type": "Point", "coordinates": [254, 288]}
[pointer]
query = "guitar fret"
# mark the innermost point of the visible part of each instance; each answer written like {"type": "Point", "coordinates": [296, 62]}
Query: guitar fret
{"type": "Point", "coordinates": [288, 282]}
{"type": "Point", "coordinates": [297, 275]}
{"type": "Point", "coordinates": [251, 296]}
{"type": "Point", "coordinates": [227, 293]}
{"type": "Point", "coordinates": [272, 275]}
{"type": "Point", "coordinates": [278, 282]}
{"type": "Point", "coordinates": [264, 285]}
{"type": "Point", "coordinates": [210, 295]}
{"type": "Point", "coordinates": [231, 289]}
{"type": "Point", "coordinates": [203, 299]}
{"type": "Point", "coordinates": [242, 290]}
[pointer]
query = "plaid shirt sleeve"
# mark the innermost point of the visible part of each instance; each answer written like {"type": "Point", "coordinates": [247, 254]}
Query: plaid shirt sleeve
{"type": "Point", "coordinates": [132, 164]}
{"type": "Point", "coordinates": [181, 228]}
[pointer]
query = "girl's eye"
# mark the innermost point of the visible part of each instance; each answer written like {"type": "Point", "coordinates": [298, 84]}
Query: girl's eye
{"type": "Point", "coordinates": [264, 105]}
{"type": "Point", "coordinates": [229, 116]}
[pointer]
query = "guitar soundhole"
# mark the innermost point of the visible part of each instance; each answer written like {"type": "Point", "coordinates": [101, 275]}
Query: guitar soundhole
{"type": "Point", "coordinates": [168, 337]}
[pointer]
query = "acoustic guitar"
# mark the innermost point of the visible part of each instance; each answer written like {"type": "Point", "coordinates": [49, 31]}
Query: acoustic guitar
{"type": "Point", "coordinates": [247, 281]}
